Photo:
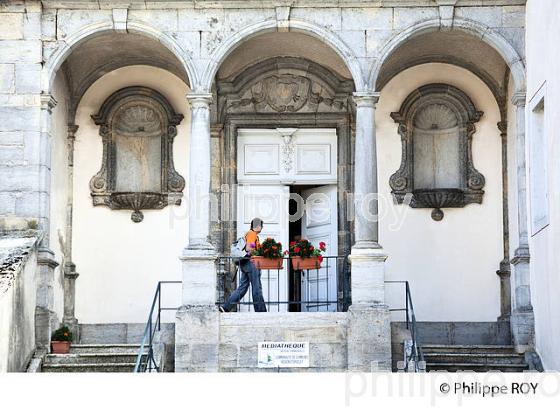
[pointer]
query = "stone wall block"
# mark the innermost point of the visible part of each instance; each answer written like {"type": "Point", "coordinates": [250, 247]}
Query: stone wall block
{"type": "Point", "coordinates": [356, 40]}
{"type": "Point", "coordinates": [11, 155]}
{"type": "Point", "coordinates": [406, 17]}
{"type": "Point", "coordinates": [48, 25]}
{"type": "Point", "coordinates": [201, 19]}
{"type": "Point", "coordinates": [11, 26]}
{"type": "Point", "coordinates": [19, 118]}
{"type": "Point", "coordinates": [7, 78]}
{"type": "Point", "coordinates": [489, 16]}
{"type": "Point", "coordinates": [7, 203]}
{"type": "Point", "coordinates": [28, 78]}
{"type": "Point", "coordinates": [21, 51]}
{"type": "Point", "coordinates": [71, 21]}
{"type": "Point", "coordinates": [32, 26]}
{"type": "Point", "coordinates": [32, 147]}
{"type": "Point", "coordinates": [189, 41]}
{"type": "Point", "coordinates": [376, 40]}
{"type": "Point", "coordinates": [197, 339]}
{"type": "Point", "coordinates": [369, 339]}
{"type": "Point", "coordinates": [330, 18]}
{"type": "Point", "coordinates": [367, 18]}
{"type": "Point", "coordinates": [237, 19]}
{"type": "Point", "coordinates": [19, 178]}
{"type": "Point", "coordinates": [164, 20]}
{"type": "Point", "coordinates": [513, 16]}
{"type": "Point", "coordinates": [28, 204]}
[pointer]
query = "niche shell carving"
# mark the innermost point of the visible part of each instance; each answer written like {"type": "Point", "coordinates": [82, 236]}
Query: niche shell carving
{"type": "Point", "coordinates": [137, 126]}
{"type": "Point", "coordinates": [443, 110]}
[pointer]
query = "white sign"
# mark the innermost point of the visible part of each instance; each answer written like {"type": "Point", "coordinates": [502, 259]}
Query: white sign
{"type": "Point", "coordinates": [283, 354]}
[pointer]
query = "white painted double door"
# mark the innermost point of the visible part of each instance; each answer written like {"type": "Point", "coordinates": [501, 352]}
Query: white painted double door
{"type": "Point", "coordinates": [318, 209]}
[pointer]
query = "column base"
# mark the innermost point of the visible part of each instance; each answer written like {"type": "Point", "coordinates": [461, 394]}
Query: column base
{"type": "Point", "coordinates": [46, 320]}
{"type": "Point", "coordinates": [523, 330]}
{"type": "Point", "coordinates": [199, 276]}
{"type": "Point", "coordinates": [369, 338]}
{"type": "Point", "coordinates": [368, 275]}
{"type": "Point", "coordinates": [197, 339]}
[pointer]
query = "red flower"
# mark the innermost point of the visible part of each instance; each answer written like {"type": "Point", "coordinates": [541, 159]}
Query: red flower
{"type": "Point", "coordinates": [312, 248]}
{"type": "Point", "coordinates": [293, 243]}
{"type": "Point", "coordinates": [320, 258]}
{"type": "Point", "coordinates": [297, 249]}
{"type": "Point", "coordinates": [286, 252]}
{"type": "Point", "coordinates": [322, 245]}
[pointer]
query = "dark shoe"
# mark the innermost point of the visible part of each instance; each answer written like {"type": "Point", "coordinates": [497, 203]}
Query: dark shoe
{"type": "Point", "coordinates": [221, 308]}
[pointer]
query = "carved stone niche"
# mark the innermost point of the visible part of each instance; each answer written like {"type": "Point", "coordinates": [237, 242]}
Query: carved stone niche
{"type": "Point", "coordinates": [436, 125]}
{"type": "Point", "coordinates": [137, 126]}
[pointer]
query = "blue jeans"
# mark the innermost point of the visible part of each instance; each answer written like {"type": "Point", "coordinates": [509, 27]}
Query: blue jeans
{"type": "Point", "coordinates": [249, 274]}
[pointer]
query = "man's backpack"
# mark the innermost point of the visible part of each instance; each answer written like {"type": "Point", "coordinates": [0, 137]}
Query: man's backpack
{"type": "Point", "coordinates": [237, 249]}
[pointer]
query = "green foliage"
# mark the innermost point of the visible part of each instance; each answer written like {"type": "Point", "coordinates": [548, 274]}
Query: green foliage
{"type": "Point", "coordinates": [305, 249]}
{"type": "Point", "coordinates": [269, 249]}
{"type": "Point", "coordinates": [62, 334]}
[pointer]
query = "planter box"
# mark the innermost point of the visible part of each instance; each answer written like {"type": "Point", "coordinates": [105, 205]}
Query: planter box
{"type": "Point", "coordinates": [60, 347]}
{"type": "Point", "coordinates": [307, 263]}
{"type": "Point", "coordinates": [267, 263]}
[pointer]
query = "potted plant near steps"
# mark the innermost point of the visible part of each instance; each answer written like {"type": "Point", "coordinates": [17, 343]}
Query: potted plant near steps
{"type": "Point", "coordinates": [268, 255]}
{"type": "Point", "coordinates": [60, 340]}
{"type": "Point", "coordinates": [306, 256]}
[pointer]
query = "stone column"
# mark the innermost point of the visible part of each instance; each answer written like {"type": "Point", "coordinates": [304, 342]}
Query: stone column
{"type": "Point", "coordinates": [369, 331]}
{"type": "Point", "coordinates": [45, 317]}
{"type": "Point", "coordinates": [504, 272]}
{"type": "Point", "coordinates": [196, 327]}
{"type": "Point", "coordinates": [367, 256]}
{"type": "Point", "coordinates": [522, 317]}
{"type": "Point", "coordinates": [70, 274]}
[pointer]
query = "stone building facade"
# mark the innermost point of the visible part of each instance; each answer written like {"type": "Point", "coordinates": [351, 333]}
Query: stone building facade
{"type": "Point", "coordinates": [133, 132]}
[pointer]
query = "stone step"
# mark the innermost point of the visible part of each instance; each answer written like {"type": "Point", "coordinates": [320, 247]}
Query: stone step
{"type": "Point", "coordinates": [104, 348]}
{"type": "Point", "coordinates": [476, 367]}
{"type": "Point", "coordinates": [478, 358]}
{"type": "Point", "coordinates": [87, 358]}
{"type": "Point", "coordinates": [88, 368]}
{"type": "Point", "coordinates": [434, 348]}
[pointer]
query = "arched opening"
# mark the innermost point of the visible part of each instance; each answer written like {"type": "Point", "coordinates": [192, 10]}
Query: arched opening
{"type": "Point", "coordinates": [415, 59]}
{"type": "Point", "coordinates": [81, 77]}
{"type": "Point", "coordinates": [283, 127]}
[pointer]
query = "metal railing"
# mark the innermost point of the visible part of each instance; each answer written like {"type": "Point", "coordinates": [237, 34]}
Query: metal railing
{"type": "Point", "coordinates": [146, 362]}
{"type": "Point", "coordinates": [327, 288]}
{"type": "Point", "coordinates": [414, 355]}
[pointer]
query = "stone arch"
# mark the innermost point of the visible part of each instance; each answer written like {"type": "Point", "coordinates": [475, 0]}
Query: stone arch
{"type": "Point", "coordinates": [93, 30]}
{"type": "Point", "coordinates": [495, 40]}
{"type": "Point", "coordinates": [326, 36]}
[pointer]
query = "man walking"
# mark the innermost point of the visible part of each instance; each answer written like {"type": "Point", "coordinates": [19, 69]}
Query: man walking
{"type": "Point", "coordinates": [249, 272]}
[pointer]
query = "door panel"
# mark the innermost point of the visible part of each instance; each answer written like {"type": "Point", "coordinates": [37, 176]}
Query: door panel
{"type": "Point", "coordinates": [270, 203]}
{"type": "Point", "coordinates": [320, 224]}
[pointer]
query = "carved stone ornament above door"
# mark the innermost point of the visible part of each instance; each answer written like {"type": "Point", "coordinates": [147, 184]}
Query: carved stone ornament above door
{"type": "Point", "coordinates": [137, 126]}
{"type": "Point", "coordinates": [284, 85]}
{"type": "Point", "coordinates": [436, 125]}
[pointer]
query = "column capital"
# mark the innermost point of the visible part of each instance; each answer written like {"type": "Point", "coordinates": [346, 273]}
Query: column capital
{"type": "Point", "coordinates": [518, 99]}
{"type": "Point", "coordinates": [48, 102]}
{"type": "Point", "coordinates": [365, 99]}
{"type": "Point", "coordinates": [199, 100]}
{"type": "Point", "coordinates": [72, 129]}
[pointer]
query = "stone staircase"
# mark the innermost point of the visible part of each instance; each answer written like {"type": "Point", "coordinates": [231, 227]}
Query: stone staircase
{"type": "Point", "coordinates": [476, 358]}
{"type": "Point", "coordinates": [93, 358]}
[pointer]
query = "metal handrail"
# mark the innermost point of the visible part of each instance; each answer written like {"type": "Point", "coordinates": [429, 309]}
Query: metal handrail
{"type": "Point", "coordinates": [341, 285]}
{"type": "Point", "coordinates": [416, 355]}
{"type": "Point", "coordinates": [150, 364]}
